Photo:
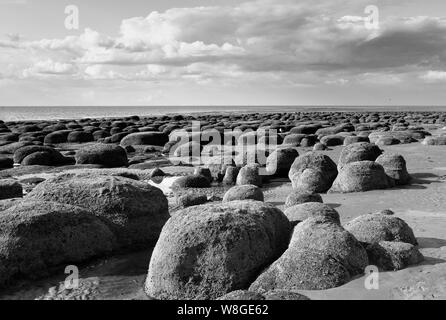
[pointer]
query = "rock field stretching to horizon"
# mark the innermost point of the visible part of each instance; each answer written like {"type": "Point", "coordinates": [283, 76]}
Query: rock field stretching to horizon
{"type": "Point", "coordinates": [275, 206]}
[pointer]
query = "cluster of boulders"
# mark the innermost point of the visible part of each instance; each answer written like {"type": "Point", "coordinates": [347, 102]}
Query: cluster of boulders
{"type": "Point", "coordinates": [246, 249]}
{"type": "Point", "coordinates": [236, 248]}
{"type": "Point", "coordinates": [75, 217]}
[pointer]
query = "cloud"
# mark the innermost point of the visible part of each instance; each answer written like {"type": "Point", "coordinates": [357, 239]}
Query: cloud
{"type": "Point", "coordinates": [282, 41]}
{"type": "Point", "coordinates": [434, 76]}
{"type": "Point", "coordinates": [49, 67]}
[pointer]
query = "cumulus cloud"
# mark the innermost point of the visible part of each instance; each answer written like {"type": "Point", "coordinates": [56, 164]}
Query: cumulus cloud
{"type": "Point", "coordinates": [49, 67]}
{"type": "Point", "coordinates": [282, 40]}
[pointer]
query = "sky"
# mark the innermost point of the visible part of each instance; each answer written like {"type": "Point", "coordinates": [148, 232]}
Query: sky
{"type": "Point", "coordinates": [222, 52]}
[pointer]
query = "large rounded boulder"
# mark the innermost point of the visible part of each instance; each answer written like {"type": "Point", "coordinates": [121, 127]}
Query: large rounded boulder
{"type": "Point", "coordinates": [377, 227]}
{"type": "Point", "coordinates": [207, 251]}
{"type": "Point", "coordinates": [135, 211]}
{"type": "Point", "coordinates": [360, 151]}
{"type": "Point", "coordinates": [321, 255]}
{"type": "Point", "coordinates": [313, 172]}
{"type": "Point", "coordinates": [46, 156]}
{"type": "Point", "coordinates": [279, 162]}
{"type": "Point", "coordinates": [361, 176]}
{"type": "Point", "coordinates": [249, 174]}
{"type": "Point", "coordinates": [145, 138]}
{"type": "Point", "coordinates": [108, 155]}
{"type": "Point", "coordinates": [38, 235]}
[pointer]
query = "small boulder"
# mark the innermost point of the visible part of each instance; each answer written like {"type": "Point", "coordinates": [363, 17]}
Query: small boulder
{"type": "Point", "coordinates": [303, 211]}
{"type": "Point", "coordinates": [249, 174]}
{"type": "Point", "coordinates": [393, 256]}
{"type": "Point", "coordinates": [10, 189]}
{"type": "Point", "coordinates": [299, 197]}
{"type": "Point", "coordinates": [191, 181]}
{"type": "Point", "coordinates": [244, 192]}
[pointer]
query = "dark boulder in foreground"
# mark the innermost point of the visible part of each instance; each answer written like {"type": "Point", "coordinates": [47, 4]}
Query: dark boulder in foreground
{"type": "Point", "coordinates": [10, 189]}
{"type": "Point", "coordinates": [134, 211]}
{"type": "Point", "coordinates": [377, 227]}
{"type": "Point", "coordinates": [37, 235]}
{"type": "Point", "coordinates": [244, 192]}
{"type": "Point", "coordinates": [107, 155]}
{"type": "Point", "coordinates": [313, 172]}
{"type": "Point", "coordinates": [207, 251]}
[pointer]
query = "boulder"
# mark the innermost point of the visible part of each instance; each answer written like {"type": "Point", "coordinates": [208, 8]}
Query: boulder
{"type": "Point", "coordinates": [36, 236]}
{"type": "Point", "coordinates": [207, 251]}
{"type": "Point", "coordinates": [300, 196]}
{"type": "Point", "coordinates": [395, 167]}
{"type": "Point", "coordinates": [79, 137]}
{"type": "Point", "coordinates": [377, 227]}
{"type": "Point", "coordinates": [107, 155]}
{"type": "Point", "coordinates": [360, 151]}
{"type": "Point", "coordinates": [145, 138]}
{"type": "Point", "coordinates": [191, 199]}
{"type": "Point", "coordinates": [313, 172]}
{"type": "Point", "coordinates": [10, 188]}
{"type": "Point", "coordinates": [53, 157]}
{"type": "Point", "coordinates": [361, 176]}
{"type": "Point", "coordinates": [321, 255]}
{"type": "Point", "coordinates": [393, 256]}
{"type": "Point", "coordinates": [192, 181]}
{"type": "Point", "coordinates": [135, 211]}
{"type": "Point", "coordinates": [56, 137]}
{"type": "Point", "coordinates": [303, 211]}
{"type": "Point", "coordinates": [230, 176]}
{"type": "Point", "coordinates": [244, 192]}
{"type": "Point", "coordinates": [249, 174]}
{"type": "Point", "coordinates": [279, 162]}
{"type": "Point", "coordinates": [354, 139]}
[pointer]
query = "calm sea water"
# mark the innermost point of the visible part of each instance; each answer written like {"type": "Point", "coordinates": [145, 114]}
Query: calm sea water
{"type": "Point", "coordinates": [51, 113]}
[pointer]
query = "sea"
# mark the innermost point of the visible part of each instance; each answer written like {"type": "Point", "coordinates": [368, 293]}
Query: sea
{"type": "Point", "coordinates": [72, 112]}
